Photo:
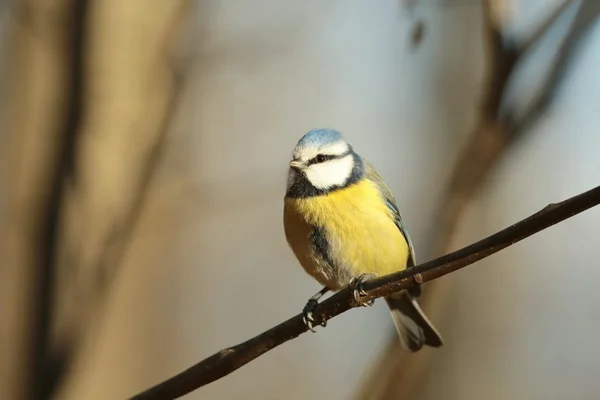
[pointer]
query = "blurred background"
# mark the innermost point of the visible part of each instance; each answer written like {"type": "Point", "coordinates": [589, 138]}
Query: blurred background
{"type": "Point", "coordinates": [143, 157]}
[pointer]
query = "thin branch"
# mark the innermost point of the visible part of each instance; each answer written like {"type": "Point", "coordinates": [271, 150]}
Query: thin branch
{"type": "Point", "coordinates": [544, 27]}
{"type": "Point", "coordinates": [495, 134]}
{"type": "Point", "coordinates": [587, 15]}
{"type": "Point", "coordinates": [486, 144]}
{"type": "Point", "coordinates": [46, 372]}
{"type": "Point", "coordinates": [502, 60]}
{"type": "Point", "coordinates": [228, 360]}
{"type": "Point", "coordinates": [490, 137]}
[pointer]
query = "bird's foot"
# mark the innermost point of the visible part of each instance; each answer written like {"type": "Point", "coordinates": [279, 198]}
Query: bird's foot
{"type": "Point", "coordinates": [356, 285]}
{"type": "Point", "coordinates": [309, 318]}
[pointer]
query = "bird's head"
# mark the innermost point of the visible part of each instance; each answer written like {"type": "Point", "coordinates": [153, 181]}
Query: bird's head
{"type": "Point", "coordinates": [322, 161]}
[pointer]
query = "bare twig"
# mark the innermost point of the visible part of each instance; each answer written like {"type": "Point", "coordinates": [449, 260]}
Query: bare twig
{"type": "Point", "coordinates": [587, 14]}
{"type": "Point", "coordinates": [228, 360]}
{"type": "Point", "coordinates": [544, 27]}
{"type": "Point", "coordinates": [485, 145]}
{"type": "Point", "coordinates": [495, 133]}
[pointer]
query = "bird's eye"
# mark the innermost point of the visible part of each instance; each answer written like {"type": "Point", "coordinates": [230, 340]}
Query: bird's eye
{"type": "Point", "coordinates": [321, 158]}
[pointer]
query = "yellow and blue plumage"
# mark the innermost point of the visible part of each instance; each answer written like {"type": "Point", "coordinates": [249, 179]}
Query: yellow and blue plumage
{"type": "Point", "coordinates": [342, 223]}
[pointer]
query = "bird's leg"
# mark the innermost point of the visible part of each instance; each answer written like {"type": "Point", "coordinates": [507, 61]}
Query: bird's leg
{"type": "Point", "coordinates": [358, 291]}
{"type": "Point", "coordinates": [309, 308]}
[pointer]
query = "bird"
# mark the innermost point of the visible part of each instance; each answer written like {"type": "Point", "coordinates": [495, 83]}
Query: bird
{"type": "Point", "coordinates": [343, 225]}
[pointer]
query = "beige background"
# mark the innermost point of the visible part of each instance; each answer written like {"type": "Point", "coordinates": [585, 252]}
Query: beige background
{"type": "Point", "coordinates": [209, 266]}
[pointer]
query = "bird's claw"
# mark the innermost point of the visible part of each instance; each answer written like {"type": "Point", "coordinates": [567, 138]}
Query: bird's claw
{"type": "Point", "coordinates": [356, 284]}
{"type": "Point", "coordinates": [309, 318]}
{"type": "Point", "coordinates": [307, 321]}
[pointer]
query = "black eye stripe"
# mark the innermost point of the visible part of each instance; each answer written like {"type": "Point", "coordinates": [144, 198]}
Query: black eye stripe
{"type": "Point", "coordinates": [320, 158]}
{"type": "Point", "coordinates": [301, 187]}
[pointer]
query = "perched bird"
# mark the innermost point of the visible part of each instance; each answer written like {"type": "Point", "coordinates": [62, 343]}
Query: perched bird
{"type": "Point", "coordinates": [343, 225]}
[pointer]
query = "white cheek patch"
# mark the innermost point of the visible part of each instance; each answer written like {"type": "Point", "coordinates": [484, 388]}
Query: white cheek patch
{"type": "Point", "coordinates": [330, 173]}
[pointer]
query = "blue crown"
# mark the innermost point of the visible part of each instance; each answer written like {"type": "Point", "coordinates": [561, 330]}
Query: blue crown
{"type": "Point", "coordinates": [319, 137]}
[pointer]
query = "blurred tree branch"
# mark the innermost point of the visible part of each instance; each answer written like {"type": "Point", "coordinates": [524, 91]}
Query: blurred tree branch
{"type": "Point", "coordinates": [81, 167]}
{"type": "Point", "coordinates": [228, 360]}
{"type": "Point", "coordinates": [46, 370]}
{"type": "Point", "coordinates": [43, 96]}
{"type": "Point", "coordinates": [587, 15]}
{"type": "Point", "coordinates": [496, 131]}
{"type": "Point", "coordinates": [139, 95]}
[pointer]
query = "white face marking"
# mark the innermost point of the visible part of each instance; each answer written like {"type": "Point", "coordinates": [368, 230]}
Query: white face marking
{"type": "Point", "coordinates": [330, 173]}
{"type": "Point", "coordinates": [325, 175]}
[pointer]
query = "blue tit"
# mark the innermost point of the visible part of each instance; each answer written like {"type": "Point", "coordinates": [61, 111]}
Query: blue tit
{"type": "Point", "coordinates": [342, 223]}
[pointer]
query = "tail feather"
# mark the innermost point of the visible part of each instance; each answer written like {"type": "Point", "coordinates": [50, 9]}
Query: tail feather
{"type": "Point", "coordinates": [413, 327]}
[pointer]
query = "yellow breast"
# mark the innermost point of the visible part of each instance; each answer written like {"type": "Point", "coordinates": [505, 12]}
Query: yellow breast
{"type": "Point", "coordinates": [360, 229]}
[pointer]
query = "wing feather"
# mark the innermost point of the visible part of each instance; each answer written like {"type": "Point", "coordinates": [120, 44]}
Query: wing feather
{"type": "Point", "coordinates": [372, 175]}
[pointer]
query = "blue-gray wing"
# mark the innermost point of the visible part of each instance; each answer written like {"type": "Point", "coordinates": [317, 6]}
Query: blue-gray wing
{"type": "Point", "coordinates": [372, 175]}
